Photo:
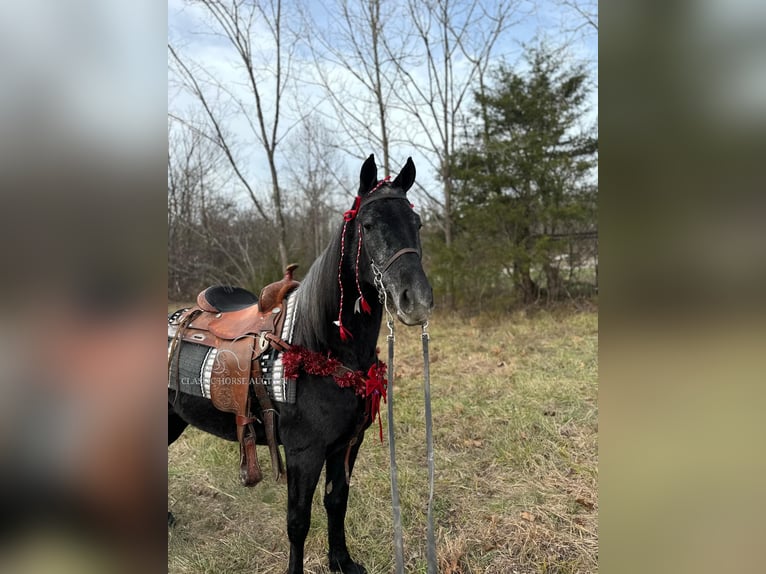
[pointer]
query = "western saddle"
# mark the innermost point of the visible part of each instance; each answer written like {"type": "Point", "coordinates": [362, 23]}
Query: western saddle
{"type": "Point", "coordinates": [241, 327]}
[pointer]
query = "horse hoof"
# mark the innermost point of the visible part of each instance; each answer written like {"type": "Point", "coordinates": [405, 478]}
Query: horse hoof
{"type": "Point", "coordinates": [171, 520]}
{"type": "Point", "coordinates": [347, 567]}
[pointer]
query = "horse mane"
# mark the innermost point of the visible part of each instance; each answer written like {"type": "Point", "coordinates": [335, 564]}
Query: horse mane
{"type": "Point", "coordinates": [318, 295]}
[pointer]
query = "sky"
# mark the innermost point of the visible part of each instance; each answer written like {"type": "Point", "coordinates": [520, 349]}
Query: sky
{"type": "Point", "coordinates": [188, 32]}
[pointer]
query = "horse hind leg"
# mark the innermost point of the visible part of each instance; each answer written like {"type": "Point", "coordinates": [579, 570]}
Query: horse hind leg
{"type": "Point", "coordinates": [176, 426]}
{"type": "Point", "coordinates": [336, 503]}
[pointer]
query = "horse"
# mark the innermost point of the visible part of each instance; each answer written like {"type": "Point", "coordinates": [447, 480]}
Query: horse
{"type": "Point", "coordinates": [376, 255]}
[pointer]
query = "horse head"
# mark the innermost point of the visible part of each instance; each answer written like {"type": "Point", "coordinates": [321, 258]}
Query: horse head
{"type": "Point", "coordinates": [388, 229]}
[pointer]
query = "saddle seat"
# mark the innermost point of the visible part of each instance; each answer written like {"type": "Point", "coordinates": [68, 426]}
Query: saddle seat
{"type": "Point", "coordinates": [225, 298]}
{"type": "Point", "coordinates": [253, 319]}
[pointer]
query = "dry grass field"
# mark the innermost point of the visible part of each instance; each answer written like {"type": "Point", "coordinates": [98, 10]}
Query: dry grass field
{"type": "Point", "coordinates": [516, 450]}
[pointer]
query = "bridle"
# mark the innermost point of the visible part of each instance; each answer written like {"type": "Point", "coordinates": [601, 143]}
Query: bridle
{"type": "Point", "coordinates": [378, 270]}
{"type": "Point", "coordinates": [397, 255]}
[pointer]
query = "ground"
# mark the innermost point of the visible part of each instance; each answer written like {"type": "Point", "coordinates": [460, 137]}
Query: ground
{"type": "Point", "coordinates": [516, 451]}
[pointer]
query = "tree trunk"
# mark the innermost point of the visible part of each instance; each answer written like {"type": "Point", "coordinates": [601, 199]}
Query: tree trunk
{"type": "Point", "coordinates": [529, 290]}
{"type": "Point", "coordinates": [553, 278]}
{"type": "Point", "coordinates": [277, 199]}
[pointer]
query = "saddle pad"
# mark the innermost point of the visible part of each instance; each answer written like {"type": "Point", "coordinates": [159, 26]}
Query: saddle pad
{"type": "Point", "coordinates": [191, 368]}
{"type": "Point", "coordinates": [281, 390]}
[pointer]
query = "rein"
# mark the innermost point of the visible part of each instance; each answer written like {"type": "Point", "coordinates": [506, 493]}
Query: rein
{"type": "Point", "coordinates": [395, 501]}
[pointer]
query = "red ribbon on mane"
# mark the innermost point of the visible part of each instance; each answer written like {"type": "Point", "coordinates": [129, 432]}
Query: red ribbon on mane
{"type": "Point", "coordinates": [350, 215]}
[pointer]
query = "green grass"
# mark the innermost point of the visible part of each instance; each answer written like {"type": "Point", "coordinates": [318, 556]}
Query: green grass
{"type": "Point", "coordinates": [516, 445]}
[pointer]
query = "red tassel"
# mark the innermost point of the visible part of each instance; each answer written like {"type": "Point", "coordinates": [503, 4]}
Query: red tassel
{"type": "Point", "coordinates": [345, 334]}
{"type": "Point", "coordinates": [366, 306]}
{"type": "Point", "coordinates": [375, 391]}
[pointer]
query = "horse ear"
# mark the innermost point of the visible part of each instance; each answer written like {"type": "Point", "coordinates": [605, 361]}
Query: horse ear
{"type": "Point", "coordinates": [368, 177]}
{"type": "Point", "coordinates": [406, 177]}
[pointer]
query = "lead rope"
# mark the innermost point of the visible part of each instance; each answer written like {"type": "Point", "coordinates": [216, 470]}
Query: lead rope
{"type": "Point", "coordinates": [395, 503]}
{"type": "Point", "coordinates": [429, 450]}
{"type": "Point", "coordinates": [397, 509]}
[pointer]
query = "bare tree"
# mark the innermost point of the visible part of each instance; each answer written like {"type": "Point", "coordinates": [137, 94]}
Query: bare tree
{"type": "Point", "coordinates": [255, 32]}
{"type": "Point", "coordinates": [314, 167]}
{"type": "Point", "coordinates": [356, 67]}
{"type": "Point", "coordinates": [189, 166]}
{"type": "Point", "coordinates": [456, 39]}
{"type": "Point", "coordinates": [203, 246]}
{"type": "Point", "coordinates": [586, 12]}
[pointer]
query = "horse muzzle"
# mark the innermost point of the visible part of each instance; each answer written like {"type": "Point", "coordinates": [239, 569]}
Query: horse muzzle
{"type": "Point", "coordinates": [407, 287]}
{"type": "Point", "coordinates": [414, 303]}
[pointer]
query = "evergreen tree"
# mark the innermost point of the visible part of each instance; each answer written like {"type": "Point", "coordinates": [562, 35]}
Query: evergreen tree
{"type": "Point", "coordinates": [525, 183]}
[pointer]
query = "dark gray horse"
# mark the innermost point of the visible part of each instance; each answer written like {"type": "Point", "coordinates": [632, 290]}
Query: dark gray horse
{"type": "Point", "coordinates": [317, 429]}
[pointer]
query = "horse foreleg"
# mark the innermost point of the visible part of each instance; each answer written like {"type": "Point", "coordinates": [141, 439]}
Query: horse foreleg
{"type": "Point", "coordinates": [336, 502]}
{"type": "Point", "coordinates": [303, 470]}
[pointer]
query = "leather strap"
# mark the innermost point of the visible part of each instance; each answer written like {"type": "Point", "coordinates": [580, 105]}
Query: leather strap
{"type": "Point", "coordinates": [397, 255]}
{"type": "Point", "coordinates": [278, 343]}
{"type": "Point", "coordinates": [268, 421]}
{"type": "Point", "coordinates": [243, 420]}
{"type": "Point", "coordinates": [249, 470]}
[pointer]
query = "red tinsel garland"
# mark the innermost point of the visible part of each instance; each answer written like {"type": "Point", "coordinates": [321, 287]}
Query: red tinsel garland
{"type": "Point", "coordinates": [370, 386]}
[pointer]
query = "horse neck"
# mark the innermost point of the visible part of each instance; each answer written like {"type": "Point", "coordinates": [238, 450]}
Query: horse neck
{"type": "Point", "coordinates": [317, 310]}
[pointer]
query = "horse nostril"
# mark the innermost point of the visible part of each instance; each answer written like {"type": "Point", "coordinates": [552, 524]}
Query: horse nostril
{"type": "Point", "coordinates": [405, 303]}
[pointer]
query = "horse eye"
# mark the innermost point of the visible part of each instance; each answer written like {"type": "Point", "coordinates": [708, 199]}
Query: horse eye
{"type": "Point", "coordinates": [367, 226]}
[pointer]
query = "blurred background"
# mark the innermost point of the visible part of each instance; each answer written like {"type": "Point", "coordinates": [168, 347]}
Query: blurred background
{"type": "Point", "coordinates": [82, 166]}
{"type": "Point", "coordinates": [683, 259]}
